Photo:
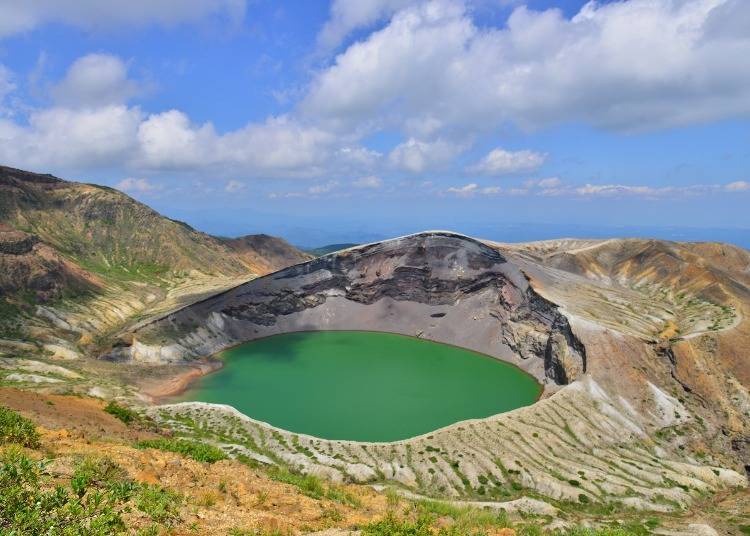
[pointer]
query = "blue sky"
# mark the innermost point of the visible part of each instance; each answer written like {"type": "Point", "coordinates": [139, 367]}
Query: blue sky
{"type": "Point", "coordinates": [352, 120]}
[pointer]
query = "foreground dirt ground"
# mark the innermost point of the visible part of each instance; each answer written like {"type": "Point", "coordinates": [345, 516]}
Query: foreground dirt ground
{"type": "Point", "coordinates": [221, 497]}
{"type": "Point", "coordinates": [229, 497]}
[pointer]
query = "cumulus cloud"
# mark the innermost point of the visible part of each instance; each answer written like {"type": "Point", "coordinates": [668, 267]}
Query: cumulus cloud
{"type": "Point", "coordinates": [637, 64]}
{"type": "Point", "coordinates": [738, 186]}
{"type": "Point", "coordinates": [20, 16]}
{"type": "Point", "coordinates": [502, 162]}
{"type": "Point", "coordinates": [349, 15]}
{"type": "Point", "coordinates": [134, 185]}
{"type": "Point", "coordinates": [95, 80]}
{"type": "Point", "coordinates": [370, 181]}
{"type": "Point", "coordinates": [418, 156]}
{"type": "Point", "coordinates": [71, 138]}
{"type": "Point", "coordinates": [472, 189]}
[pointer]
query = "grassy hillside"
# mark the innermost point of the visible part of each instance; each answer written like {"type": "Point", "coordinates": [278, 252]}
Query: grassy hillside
{"type": "Point", "coordinates": [107, 232]}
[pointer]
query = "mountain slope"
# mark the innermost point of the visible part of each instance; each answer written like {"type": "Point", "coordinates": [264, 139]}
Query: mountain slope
{"type": "Point", "coordinates": [265, 254]}
{"type": "Point", "coordinates": [80, 262]}
{"type": "Point", "coordinates": [106, 231]}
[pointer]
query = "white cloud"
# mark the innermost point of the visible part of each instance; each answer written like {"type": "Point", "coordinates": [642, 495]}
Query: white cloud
{"type": "Point", "coordinates": [322, 188]}
{"type": "Point", "coordinates": [234, 186]}
{"type": "Point", "coordinates": [169, 141]}
{"type": "Point", "coordinates": [69, 138]}
{"type": "Point", "coordinates": [472, 189]}
{"type": "Point", "coordinates": [349, 15]}
{"type": "Point", "coordinates": [464, 191]}
{"type": "Point", "coordinates": [636, 64]}
{"type": "Point", "coordinates": [95, 80]}
{"type": "Point", "coordinates": [552, 182]}
{"type": "Point", "coordinates": [418, 156]}
{"type": "Point", "coordinates": [553, 186]}
{"type": "Point", "coordinates": [370, 181]}
{"type": "Point", "coordinates": [134, 185]}
{"type": "Point", "coordinates": [649, 192]}
{"type": "Point", "coordinates": [279, 146]}
{"type": "Point", "coordinates": [502, 162]}
{"type": "Point", "coordinates": [23, 15]}
{"type": "Point", "coordinates": [739, 186]}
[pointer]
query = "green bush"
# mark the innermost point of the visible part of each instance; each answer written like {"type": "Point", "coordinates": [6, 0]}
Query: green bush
{"type": "Point", "coordinates": [15, 428]}
{"type": "Point", "coordinates": [159, 504]}
{"type": "Point", "coordinates": [309, 485]}
{"type": "Point", "coordinates": [464, 518]}
{"type": "Point", "coordinates": [606, 532]}
{"type": "Point", "coordinates": [27, 508]}
{"type": "Point", "coordinates": [391, 526]}
{"type": "Point", "coordinates": [121, 412]}
{"type": "Point", "coordinates": [90, 505]}
{"type": "Point", "coordinates": [192, 449]}
{"type": "Point", "coordinates": [422, 526]}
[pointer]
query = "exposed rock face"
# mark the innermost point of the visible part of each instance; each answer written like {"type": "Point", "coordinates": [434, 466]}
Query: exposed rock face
{"type": "Point", "coordinates": [564, 356]}
{"type": "Point", "coordinates": [32, 267]}
{"type": "Point", "coordinates": [14, 242]}
{"type": "Point", "coordinates": [435, 285]}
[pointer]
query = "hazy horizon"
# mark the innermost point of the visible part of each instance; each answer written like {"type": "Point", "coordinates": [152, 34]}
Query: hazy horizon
{"type": "Point", "coordinates": [340, 120]}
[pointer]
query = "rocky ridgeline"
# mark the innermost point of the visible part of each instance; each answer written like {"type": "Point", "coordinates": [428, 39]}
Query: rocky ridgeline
{"type": "Point", "coordinates": [436, 285]}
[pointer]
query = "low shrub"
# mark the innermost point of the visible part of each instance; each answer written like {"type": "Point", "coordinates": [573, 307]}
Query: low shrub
{"type": "Point", "coordinates": [161, 505]}
{"type": "Point", "coordinates": [126, 415]}
{"type": "Point", "coordinates": [192, 449]}
{"type": "Point", "coordinates": [15, 428]}
{"type": "Point", "coordinates": [26, 507]}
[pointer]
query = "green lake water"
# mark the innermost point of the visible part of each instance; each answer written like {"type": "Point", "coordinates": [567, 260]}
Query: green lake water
{"type": "Point", "coordinates": [362, 386]}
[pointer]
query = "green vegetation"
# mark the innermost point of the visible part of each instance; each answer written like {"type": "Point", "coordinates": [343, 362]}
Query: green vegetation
{"type": "Point", "coordinates": [15, 428]}
{"type": "Point", "coordinates": [312, 486]}
{"type": "Point", "coordinates": [159, 504]}
{"type": "Point", "coordinates": [27, 508]}
{"type": "Point", "coordinates": [126, 415]}
{"type": "Point", "coordinates": [476, 523]}
{"type": "Point", "coordinates": [464, 518]}
{"type": "Point", "coordinates": [9, 320]}
{"type": "Point", "coordinates": [391, 526]}
{"type": "Point", "coordinates": [91, 505]}
{"type": "Point", "coordinates": [192, 449]}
